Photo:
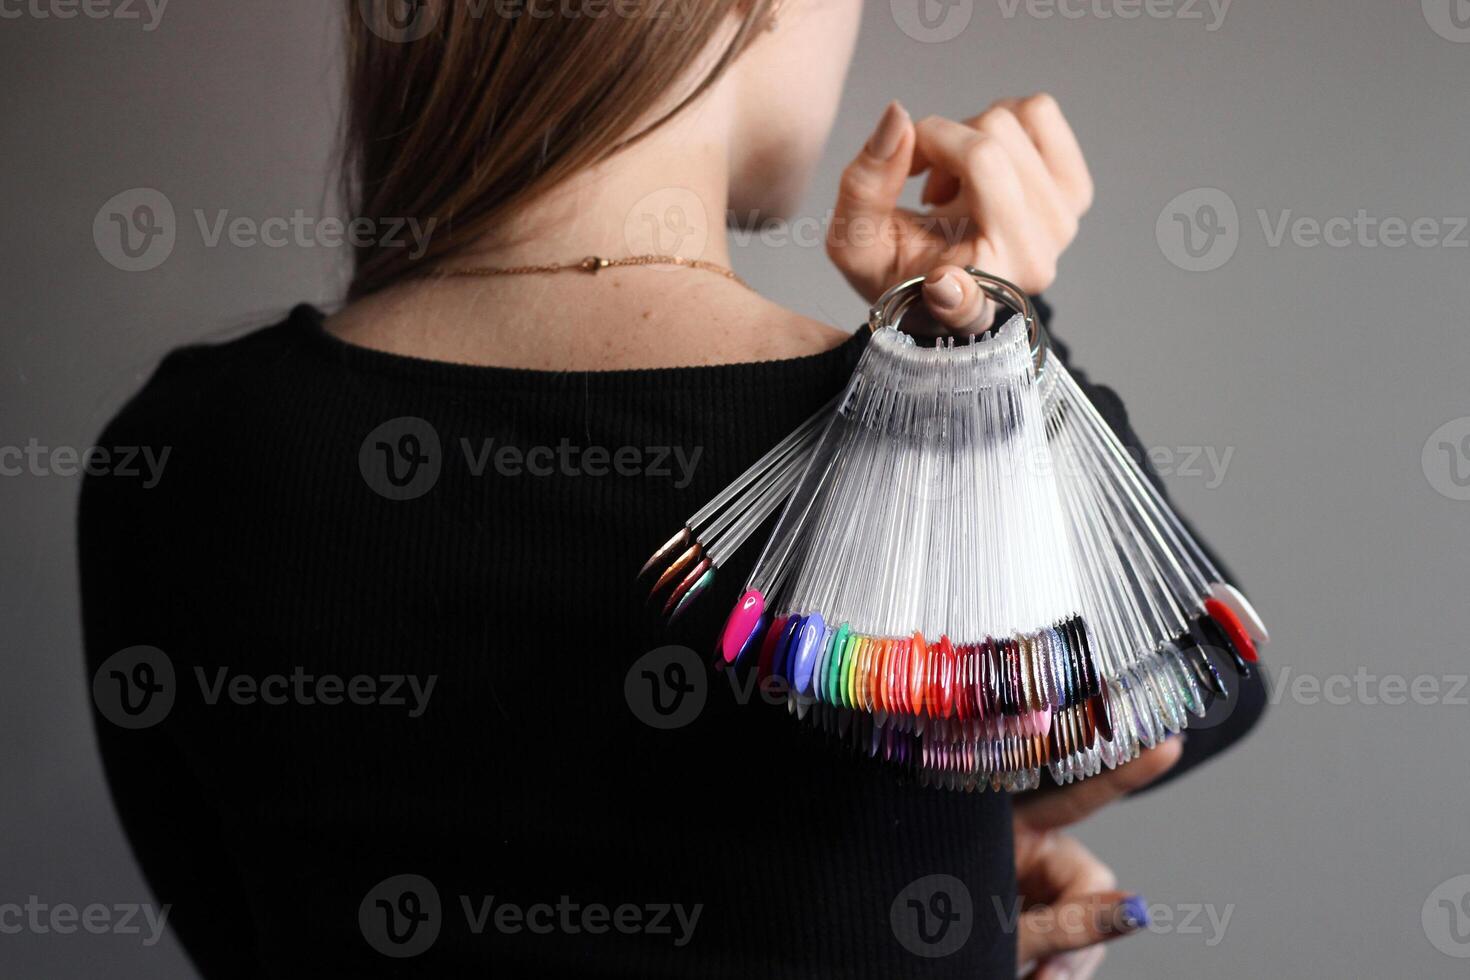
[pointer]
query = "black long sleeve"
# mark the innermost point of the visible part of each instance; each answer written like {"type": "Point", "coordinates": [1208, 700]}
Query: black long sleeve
{"type": "Point", "coordinates": [272, 548]}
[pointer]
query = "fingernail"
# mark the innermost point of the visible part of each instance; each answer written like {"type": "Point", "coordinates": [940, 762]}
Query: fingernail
{"type": "Point", "coordinates": [944, 292]}
{"type": "Point", "coordinates": [1133, 913]}
{"type": "Point", "coordinates": [885, 139]}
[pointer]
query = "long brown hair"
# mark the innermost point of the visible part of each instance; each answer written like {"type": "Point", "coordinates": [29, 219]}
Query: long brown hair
{"type": "Point", "coordinates": [461, 111]}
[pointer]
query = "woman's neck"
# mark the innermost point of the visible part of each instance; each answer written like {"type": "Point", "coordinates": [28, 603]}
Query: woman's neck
{"type": "Point", "coordinates": [666, 195]}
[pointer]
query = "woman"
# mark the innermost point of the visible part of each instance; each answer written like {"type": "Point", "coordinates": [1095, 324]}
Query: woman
{"type": "Point", "coordinates": [389, 567]}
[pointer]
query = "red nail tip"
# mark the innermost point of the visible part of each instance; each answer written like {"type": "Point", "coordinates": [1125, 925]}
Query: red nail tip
{"type": "Point", "coordinates": [768, 647]}
{"type": "Point", "coordinates": [1233, 628]}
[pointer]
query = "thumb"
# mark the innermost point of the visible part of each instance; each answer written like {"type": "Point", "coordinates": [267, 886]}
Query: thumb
{"type": "Point", "coordinates": [859, 240]}
{"type": "Point", "coordinates": [956, 302]}
{"type": "Point", "coordinates": [1047, 930]}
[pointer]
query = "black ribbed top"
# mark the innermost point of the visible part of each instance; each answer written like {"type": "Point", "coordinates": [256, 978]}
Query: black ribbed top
{"type": "Point", "coordinates": [273, 546]}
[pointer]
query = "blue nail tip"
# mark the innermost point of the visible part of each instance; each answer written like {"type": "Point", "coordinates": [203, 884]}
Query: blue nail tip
{"type": "Point", "coordinates": [804, 657]}
{"type": "Point", "coordinates": [781, 662]}
{"type": "Point", "coordinates": [1133, 912]}
{"type": "Point", "coordinates": [753, 641]}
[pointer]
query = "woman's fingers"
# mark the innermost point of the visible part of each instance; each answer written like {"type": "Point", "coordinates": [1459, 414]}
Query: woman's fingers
{"type": "Point", "coordinates": [988, 182]}
{"type": "Point", "coordinates": [1072, 900]}
{"type": "Point", "coordinates": [861, 239]}
{"type": "Point", "coordinates": [1047, 202]}
{"type": "Point", "coordinates": [1047, 932]}
{"type": "Point", "coordinates": [1006, 237]}
{"type": "Point", "coordinates": [955, 302]}
{"type": "Point", "coordinates": [1042, 118]}
{"type": "Point", "coordinates": [1006, 190]}
{"type": "Point", "coordinates": [1038, 176]}
{"type": "Point", "coordinates": [1048, 809]}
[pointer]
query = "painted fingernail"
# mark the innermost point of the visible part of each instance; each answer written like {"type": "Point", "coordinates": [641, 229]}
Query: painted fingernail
{"type": "Point", "coordinates": [885, 139]}
{"type": "Point", "coordinates": [1133, 913]}
{"type": "Point", "coordinates": [945, 292]}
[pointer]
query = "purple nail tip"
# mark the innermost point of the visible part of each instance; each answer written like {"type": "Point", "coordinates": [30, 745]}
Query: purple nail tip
{"type": "Point", "coordinates": [805, 655]}
{"type": "Point", "coordinates": [1133, 912]}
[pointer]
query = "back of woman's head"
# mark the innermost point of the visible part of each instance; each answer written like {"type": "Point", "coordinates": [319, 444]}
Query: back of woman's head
{"type": "Point", "coordinates": [461, 111]}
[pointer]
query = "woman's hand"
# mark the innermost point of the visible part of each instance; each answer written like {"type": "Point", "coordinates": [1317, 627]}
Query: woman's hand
{"type": "Point", "coordinates": [1005, 191]}
{"type": "Point", "coordinates": [1070, 900]}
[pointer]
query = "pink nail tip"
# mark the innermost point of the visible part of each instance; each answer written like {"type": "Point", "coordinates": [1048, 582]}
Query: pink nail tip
{"type": "Point", "coordinates": [742, 621]}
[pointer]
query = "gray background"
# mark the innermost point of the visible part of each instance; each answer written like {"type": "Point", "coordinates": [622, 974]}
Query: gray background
{"type": "Point", "coordinates": [1324, 370]}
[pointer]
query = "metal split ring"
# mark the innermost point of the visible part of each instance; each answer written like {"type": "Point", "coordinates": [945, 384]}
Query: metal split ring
{"type": "Point", "coordinates": [890, 308]}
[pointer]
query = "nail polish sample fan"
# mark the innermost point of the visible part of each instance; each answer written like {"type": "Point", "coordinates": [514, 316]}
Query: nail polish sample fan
{"type": "Point", "coordinates": [970, 578]}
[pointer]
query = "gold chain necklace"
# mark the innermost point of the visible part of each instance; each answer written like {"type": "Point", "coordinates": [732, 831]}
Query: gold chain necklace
{"type": "Point", "coordinates": [592, 264]}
